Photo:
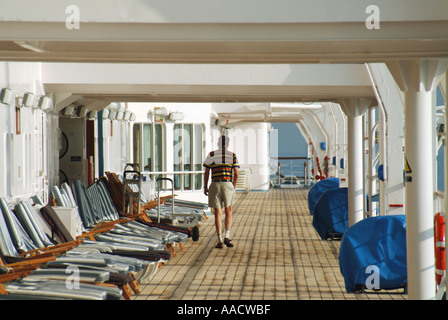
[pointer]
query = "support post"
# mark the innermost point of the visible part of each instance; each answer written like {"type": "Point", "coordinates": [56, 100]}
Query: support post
{"type": "Point", "coordinates": [100, 144]}
{"type": "Point", "coordinates": [371, 142]}
{"type": "Point", "coordinates": [417, 78]}
{"type": "Point", "coordinates": [419, 195]}
{"type": "Point", "coordinates": [445, 144]}
{"type": "Point", "coordinates": [354, 108]}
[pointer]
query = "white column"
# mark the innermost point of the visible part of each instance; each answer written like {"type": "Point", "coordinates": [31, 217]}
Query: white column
{"type": "Point", "coordinates": [419, 195]}
{"type": "Point", "coordinates": [417, 79]}
{"type": "Point", "coordinates": [354, 109]}
{"type": "Point", "coordinates": [445, 212]}
{"type": "Point", "coordinates": [371, 146]}
{"type": "Point", "coordinates": [383, 160]}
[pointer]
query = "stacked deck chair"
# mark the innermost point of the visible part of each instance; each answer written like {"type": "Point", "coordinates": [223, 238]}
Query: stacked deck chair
{"type": "Point", "coordinates": [58, 228]}
{"type": "Point", "coordinates": [26, 271]}
{"type": "Point", "coordinates": [126, 236]}
{"type": "Point", "coordinates": [97, 235]}
{"type": "Point", "coordinates": [126, 271]}
{"type": "Point", "coordinates": [185, 212]}
{"type": "Point", "coordinates": [121, 269]}
{"type": "Point", "coordinates": [330, 217]}
{"type": "Point", "coordinates": [114, 185]}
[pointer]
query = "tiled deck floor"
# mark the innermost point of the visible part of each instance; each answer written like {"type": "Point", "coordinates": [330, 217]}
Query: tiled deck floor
{"type": "Point", "coordinates": [277, 255]}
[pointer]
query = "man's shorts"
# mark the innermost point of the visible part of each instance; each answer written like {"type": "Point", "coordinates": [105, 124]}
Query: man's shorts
{"type": "Point", "coordinates": [221, 194]}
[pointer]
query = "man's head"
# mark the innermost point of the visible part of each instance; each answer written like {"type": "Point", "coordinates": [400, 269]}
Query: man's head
{"type": "Point", "coordinates": [223, 142]}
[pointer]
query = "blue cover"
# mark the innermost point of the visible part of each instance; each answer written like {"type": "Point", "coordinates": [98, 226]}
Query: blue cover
{"type": "Point", "coordinates": [319, 188]}
{"type": "Point", "coordinates": [331, 213]}
{"type": "Point", "coordinates": [378, 241]}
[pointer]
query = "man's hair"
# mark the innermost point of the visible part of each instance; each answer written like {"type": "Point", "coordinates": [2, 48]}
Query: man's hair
{"type": "Point", "coordinates": [223, 141]}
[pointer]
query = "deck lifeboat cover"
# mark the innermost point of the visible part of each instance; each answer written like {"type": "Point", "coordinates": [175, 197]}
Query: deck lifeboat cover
{"type": "Point", "coordinates": [379, 242]}
{"type": "Point", "coordinates": [331, 213]}
{"type": "Point", "coordinates": [317, 189]}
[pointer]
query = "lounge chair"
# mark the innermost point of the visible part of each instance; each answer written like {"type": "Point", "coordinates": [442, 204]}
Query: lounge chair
{"type": "Point", "coordinates": [72, 256]}
{"type": "Point", "coordinates": [30, 267]}
{"type": "Point", "coordinates": [104, 212]}
{"type": "Point", "coordinates": [95, 203]}
{"type": "Point", "coordinates": [115, 186]}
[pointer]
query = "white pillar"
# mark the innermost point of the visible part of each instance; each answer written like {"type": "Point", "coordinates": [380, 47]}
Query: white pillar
{"type": "Point", "coordinates": [419, 195]}
{"type": "Point", "coordinates": [371, 147]}
{"type": "Point", "coordinates": [417, 78]}
{"type": "Point", "coordinates": [383, 160]}
{"type": "Point", "coordinates": [445, 212]}
{"type": "Point", "coordinates": [354, 109]}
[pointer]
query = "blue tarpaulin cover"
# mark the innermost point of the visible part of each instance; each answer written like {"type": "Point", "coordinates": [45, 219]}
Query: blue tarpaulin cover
{"type": "Point", "coordinates": [317, 189]}
{"type": "Point", "coordinates": [377, 241]}
{"type": "Point", "coordinates": [331, 213]}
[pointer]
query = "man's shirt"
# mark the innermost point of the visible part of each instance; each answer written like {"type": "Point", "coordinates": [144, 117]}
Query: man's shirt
{"type": "Point", "coordinates": [221, 162]}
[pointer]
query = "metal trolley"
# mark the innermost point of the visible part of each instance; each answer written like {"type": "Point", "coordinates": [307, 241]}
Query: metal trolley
{"type": "Point", "coordinates": [132, 178]}
{"type": "Point", "coordinates": [189, 221]}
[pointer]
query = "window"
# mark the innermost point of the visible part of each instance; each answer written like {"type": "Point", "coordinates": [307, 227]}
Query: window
{"type": "Point", "coordinates": [148, 149]}
{"type": "Point", "coordinates": [188, 156]}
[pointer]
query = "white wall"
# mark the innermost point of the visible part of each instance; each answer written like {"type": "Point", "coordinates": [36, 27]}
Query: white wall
{"type": "Point", "coordinates": [250, 143]}
{"type": "Point", "coordinates": [196, 113]}
{"type": "Point", "coordinates": [23, 166]}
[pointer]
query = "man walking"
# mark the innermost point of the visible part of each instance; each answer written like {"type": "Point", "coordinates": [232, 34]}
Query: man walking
{"type": "Point", "coordinates": [224, 166]}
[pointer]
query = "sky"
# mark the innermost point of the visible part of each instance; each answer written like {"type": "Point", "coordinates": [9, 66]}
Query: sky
{"type": "Point", "coordinates": [290, 141]}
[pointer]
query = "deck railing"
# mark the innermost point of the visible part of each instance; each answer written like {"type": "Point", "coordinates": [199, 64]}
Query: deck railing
{"type": "Point", "coordinates": [292, 166]}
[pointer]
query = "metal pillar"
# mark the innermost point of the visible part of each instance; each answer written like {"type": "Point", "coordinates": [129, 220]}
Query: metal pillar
{"type": "Point", "coordinates": [371, 184]}
{"type": "Point", "coordinates": [100, 144]}
{"type": "Point", "coordinates": [419, 195]}
{"type": "Point", "coordinates": [417, 79]}
{"type": "Point", "coordinates": [354, 108]}
{"type": "Point", "coordinates": [445, 213]}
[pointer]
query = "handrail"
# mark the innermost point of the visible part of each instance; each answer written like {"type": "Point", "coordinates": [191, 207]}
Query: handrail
{"type": "Point", "coordinates": [158, 198]}
{"type": "Point", "coordinates": [291, 158]}
{"type": "Point", "coordinates": [171, 172]}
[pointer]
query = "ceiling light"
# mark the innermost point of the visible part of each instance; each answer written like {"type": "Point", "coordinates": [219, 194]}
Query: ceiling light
{"type": "Point", "coordinates": [5, 96]}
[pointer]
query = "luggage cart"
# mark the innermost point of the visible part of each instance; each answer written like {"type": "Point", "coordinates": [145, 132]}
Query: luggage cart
{"type": "Point", "coordinates": [189, 221]}
{"type": "Point", "coordinates": [132, 179]}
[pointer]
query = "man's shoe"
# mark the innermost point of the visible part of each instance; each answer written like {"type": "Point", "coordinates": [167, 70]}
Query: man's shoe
{"type": "Point", "coordinates": [219, 245]}
{"type": "Point", "coordinates": [228, 243]}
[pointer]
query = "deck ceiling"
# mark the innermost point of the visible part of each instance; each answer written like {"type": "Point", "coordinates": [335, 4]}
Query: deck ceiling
{"type": "Point", "coordinates": [209, 93]}
{"type": "Point", "coordinates": [206, 32]}
{"type": "Point", "coordinates": [85, 83]}
{"type": "Point", "coordinates": [233, 43]}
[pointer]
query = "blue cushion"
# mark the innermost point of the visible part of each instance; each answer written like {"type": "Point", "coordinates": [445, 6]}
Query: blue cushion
{"type": "Point", "coordinates": [317, 189]}
{"type": "Point", "coordinates": [377, 241]}
{"type": "Point", "coordinates": [331, 213]}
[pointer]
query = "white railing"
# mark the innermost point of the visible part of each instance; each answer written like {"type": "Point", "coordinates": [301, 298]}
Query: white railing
{"type": "Point", "coordinates": [172, 174]}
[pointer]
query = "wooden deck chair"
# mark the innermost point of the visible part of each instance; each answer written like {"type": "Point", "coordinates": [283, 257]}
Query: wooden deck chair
{"type": "Point", "coordinates": [108, 205]}
{"type": "Point", "coordinates": [38, 256]}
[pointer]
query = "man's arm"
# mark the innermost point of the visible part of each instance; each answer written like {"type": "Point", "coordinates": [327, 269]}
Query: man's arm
{"type": "Point", "coordinates": [206, 175]}
{"type": "Point", "coordinates": [236, 174]}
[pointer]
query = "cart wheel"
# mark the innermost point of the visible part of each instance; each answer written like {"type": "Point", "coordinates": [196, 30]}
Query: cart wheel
{"type": "Point", "coordinates": [195, 233]}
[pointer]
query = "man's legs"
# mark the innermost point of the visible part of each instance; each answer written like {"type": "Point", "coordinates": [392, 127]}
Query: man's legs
{"type": "Point", "coordinates": [227, 224]}
{"type": "Point", "coordinates": [218, 223]}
